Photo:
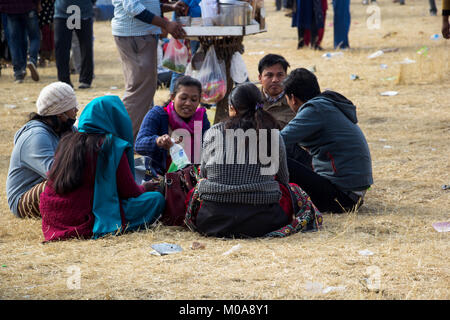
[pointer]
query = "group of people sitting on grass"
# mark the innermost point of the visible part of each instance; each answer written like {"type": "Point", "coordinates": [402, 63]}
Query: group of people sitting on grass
{"type": "Point", "coordinates": [302, 154]}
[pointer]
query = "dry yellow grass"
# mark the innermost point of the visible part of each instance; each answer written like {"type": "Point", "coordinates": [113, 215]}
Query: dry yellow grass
{"type": "Point", "coordinates": [410, 260]}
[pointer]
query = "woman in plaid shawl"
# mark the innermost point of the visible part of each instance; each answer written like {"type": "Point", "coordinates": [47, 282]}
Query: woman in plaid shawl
{"type": "Point", "coordinates": [242, 192]}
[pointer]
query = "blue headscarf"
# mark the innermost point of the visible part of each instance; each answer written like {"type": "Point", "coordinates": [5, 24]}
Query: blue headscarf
{"type": "Point", "coordinates": [107, 115]}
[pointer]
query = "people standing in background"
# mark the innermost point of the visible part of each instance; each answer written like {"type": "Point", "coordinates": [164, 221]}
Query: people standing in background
{"type": "Point", "coordinates": [5, 55]}
{"type": "Point", "coordinates": [23, 35]}
{"type": "Point", "coordinates": [47, 51]}
{"type": "Point", "coordinates": [136, 28]}
{"type": "Point", "coordinates": [433, 9]}
{"type": "Point", "coordinates": [402, 2]}
{"type": "Point", "coordinates": [63, 39]}
{"type": "Point", "coordinates": [341, 23]}
{"type": "Point", "coordinates": [445, 23]}
{"type": "Point", "coordinates": [193, 11]}
{"type": "Point", "coordinates": [309, 18]}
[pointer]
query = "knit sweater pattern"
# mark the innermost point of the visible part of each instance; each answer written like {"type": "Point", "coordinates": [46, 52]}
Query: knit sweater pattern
{"type": "Point", "coordinates": [238, 183]}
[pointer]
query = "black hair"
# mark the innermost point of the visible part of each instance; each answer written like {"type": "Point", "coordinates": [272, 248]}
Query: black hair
{"type": "Point", "coordinates": [248, 102]}
{"type": "Point", "coordinates": [73, 152]}
{"type": "Point", "coordinates": [271, 60]}
{"type": "Point", "coordinates": [302, 83]}
{"type": "Point", "coordinates": [185, 81]}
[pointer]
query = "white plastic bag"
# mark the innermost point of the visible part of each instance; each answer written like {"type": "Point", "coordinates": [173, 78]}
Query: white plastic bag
{"type": "Point", "coordinates": [212, 76]}
{"type": "Point", "coordinates": [238, 69]}
{"type": "Point", "coordinates": [209, 11]}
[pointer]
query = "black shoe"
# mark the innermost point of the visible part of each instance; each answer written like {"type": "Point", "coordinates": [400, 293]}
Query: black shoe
{"type": "Point", "coordinates": [84, 86]}
{"type": "Point", "coordinates": [301, 44]}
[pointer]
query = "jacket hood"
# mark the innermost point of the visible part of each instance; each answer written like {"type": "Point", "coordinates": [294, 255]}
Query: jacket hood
{"type": "Point", "coordinates": [30, 125]}
{"type": "Point", "coordinates": [342, 103]}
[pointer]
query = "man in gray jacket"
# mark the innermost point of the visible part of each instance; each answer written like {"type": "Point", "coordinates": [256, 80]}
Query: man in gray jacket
{"type": "Point", "coordinates": [34, 147]}
{"type": "Point", "coordinates": [326, 125]}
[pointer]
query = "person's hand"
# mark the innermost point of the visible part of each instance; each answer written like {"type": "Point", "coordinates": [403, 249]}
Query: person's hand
{"type": "Point", "coordinates": [164, 142]}
{"type": "Point", "coordinates": [445, 27]}
{"type": "Point", "coordinates": [180, 8]}
{"type": "Point", "coordinates": [176, 29]}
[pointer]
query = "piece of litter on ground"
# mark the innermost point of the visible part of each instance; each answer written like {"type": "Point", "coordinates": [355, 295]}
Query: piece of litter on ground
{"type": "Point", "coordinates": [389, 93]}
{"type": "Point", "coordinates": [166, 248]}
{"type": "Point", "coordinates": [387, 147]}
{"type": "Point", "coordinates": [10, 106]}
{"type": "Point", "coordinates": [376, 54]}
{"type": "Point", "coordinates": [233, 249]}
{"type": "Point", "coordinates": [113, 88]}
{"type": "Point", "coordinates": [4, 265]}
{"type": "Point", "coordinates": [445, 187]}
{"type": "Point", "coordinates": [331, 289]}
{"type": "Point", "coordinates": [354, 77]}
{"type": "Point", "coordinates": [441, 226]}
{"type": "Point", "coordinates": [314, 287]}
{"type": "Point", "coordinates": [26, 99]}
{"type": "Point", "coordinates": [256, 53]}
{"type": "Point", "coordinates": [366, 252]}
{"type": "Point", "coordinates": [389, 78]}
{"type": "Point", "coordinates": [423, 51]}
{"type": "Point", "coordinates": [108, 93]}
{"type": "Point", "coordinates": [407, 61]}
{"type": "Point", "coordinates": [435, 36]}
{"type": "Point", "coordinates": [330, 55]}
{"type": "Point", "coordinates": [383, 66]}
{"type": "Point", "coordinates": [197, 245]}
{"type": "Point", "coordinates": [382, 140]}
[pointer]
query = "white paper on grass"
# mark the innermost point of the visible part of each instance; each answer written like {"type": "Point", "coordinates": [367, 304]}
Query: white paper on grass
{"type": "Point", "coordinates": [389, 93]}
{"type": "Point", "coordinates": [442, 226]}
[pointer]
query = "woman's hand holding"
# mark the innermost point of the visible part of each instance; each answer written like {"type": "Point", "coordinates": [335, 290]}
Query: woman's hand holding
{"type": "Point", "coordinates": [164, 142]}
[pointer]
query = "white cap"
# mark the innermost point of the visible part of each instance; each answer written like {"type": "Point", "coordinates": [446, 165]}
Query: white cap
{"type": "Point", "coordinates": [56, 98]}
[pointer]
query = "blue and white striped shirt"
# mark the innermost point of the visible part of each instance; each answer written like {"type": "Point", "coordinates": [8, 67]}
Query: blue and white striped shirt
{"type": "Point", "coordinates": [124, 23]}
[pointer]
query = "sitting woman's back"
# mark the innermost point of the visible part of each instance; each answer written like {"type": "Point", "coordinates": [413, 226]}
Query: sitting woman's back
{"type": "Point", "coordinates": [91, 189]}
{"type": "Point", "coordinates": [243, 192]}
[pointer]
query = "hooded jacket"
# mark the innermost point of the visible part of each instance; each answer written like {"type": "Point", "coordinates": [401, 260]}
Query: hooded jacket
{"type": "Point", "coordinates": [327, 126]}
{"type": "Point", "coordinates": [32, 156]}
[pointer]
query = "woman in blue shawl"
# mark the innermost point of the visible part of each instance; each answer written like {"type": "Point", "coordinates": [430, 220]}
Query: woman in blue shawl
{"type": "Point", "coordinates": [91, 190]}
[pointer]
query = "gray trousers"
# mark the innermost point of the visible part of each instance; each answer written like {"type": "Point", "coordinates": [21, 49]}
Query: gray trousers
{"type": "Point", "coordinates": [139, 63]}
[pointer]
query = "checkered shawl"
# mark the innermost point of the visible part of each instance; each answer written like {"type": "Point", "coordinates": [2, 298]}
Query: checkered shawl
{"type": "Point", "coordinates": [238, 183]}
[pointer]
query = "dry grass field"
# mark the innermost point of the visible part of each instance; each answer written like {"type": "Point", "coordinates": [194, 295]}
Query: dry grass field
{"type": "Point", "coordinates": [409, 139]}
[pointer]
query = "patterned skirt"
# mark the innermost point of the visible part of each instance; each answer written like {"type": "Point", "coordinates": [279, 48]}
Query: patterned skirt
{"type": "Point", "coordinates": [306, 218]}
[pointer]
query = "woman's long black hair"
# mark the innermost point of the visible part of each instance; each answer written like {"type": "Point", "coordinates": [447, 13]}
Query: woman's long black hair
{"type": "Point", "coordinates": [73, 152]}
